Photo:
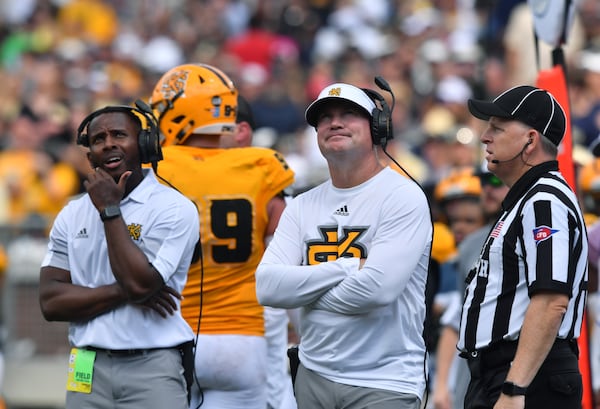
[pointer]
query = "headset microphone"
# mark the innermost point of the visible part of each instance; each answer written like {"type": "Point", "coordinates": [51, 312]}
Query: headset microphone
{"type": "Point", "coordinates": [496, 161]}
{"type": "Point", "coordinates": [384, 85]}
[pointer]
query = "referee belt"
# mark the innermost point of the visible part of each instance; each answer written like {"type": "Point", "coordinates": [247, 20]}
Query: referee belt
{"type": "Point", "coordinates": [503, 352]}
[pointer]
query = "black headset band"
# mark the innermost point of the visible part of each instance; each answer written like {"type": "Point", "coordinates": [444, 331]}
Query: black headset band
{"type": "Point", "coordinates": [148, 138]}
{"type": "Point", "coordinates": [107, 109]}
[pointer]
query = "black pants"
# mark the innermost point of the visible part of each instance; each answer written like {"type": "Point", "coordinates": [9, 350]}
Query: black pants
{"type": "Point", "coordinates": [557, 385]}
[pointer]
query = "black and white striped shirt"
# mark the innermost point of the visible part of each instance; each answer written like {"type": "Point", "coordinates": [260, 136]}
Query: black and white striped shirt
{"type": "Point", "coordinates": [539, 243]}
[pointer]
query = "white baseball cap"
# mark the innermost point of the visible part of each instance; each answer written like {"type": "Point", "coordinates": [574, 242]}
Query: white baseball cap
{"type": "Point", "coordinates": [339, 91]}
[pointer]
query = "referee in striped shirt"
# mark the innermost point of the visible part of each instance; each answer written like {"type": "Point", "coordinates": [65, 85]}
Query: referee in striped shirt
{"type": "Point", "coordinates": [525, 297]}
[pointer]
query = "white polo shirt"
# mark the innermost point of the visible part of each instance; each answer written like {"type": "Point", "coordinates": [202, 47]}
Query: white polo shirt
{"type": "Point", "coordinates": [164, 224]}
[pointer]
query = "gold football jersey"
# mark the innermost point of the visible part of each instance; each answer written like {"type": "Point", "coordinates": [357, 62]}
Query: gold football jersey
{"type": "Point", "coordinates": [231, 188]}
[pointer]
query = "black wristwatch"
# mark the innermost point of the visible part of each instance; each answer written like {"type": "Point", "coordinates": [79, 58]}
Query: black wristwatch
{"type": "Point", "coordinates": [110, 212]}
{"type": "Point", "coordinates": [510, 389]}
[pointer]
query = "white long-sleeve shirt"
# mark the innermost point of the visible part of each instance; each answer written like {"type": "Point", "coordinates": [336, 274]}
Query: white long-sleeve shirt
{"type": "Point", "coordinates": [359, 327]}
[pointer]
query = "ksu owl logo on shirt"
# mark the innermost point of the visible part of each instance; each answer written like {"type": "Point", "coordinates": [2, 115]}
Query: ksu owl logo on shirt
{"type": "Point", "coordinates": [135, 231]}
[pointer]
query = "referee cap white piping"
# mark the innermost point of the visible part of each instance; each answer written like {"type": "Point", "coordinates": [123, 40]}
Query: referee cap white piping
{"type": "Point", "coordinates": [533, 106]}
{"type": "Point", "coordinates": [339, 91]}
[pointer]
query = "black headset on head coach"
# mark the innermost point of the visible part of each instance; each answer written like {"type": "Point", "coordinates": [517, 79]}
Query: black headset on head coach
{"type": "Point", "coordinates": [148, 138]}
{"type": "Point", "coordinates": [381, 121]}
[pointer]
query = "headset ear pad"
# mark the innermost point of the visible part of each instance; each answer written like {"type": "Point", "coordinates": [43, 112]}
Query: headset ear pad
{"type": "Point", "coordinates": [144, 144]}
{"type": "Point", "coordinates": [381, 121]}
{"type": "Point", "coordinates": [150, 150]}
{"type": "Point", "coordinates": [149, 137]}
{"type": "Point", "coordinates": [82, 137]}
{"type": "Point", "coordinates": [379, 127]}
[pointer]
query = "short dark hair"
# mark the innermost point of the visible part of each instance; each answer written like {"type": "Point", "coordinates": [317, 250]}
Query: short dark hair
{"type": "Point", "coordinates": [244, 112]}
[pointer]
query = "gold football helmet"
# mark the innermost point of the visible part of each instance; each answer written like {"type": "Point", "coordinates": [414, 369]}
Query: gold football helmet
{"type": "Point", "coordinates": [589, 178]}
{"type": "Point", "coordinates": [460, 183]}
{"type": "Point", "coordinates": [194, 99]}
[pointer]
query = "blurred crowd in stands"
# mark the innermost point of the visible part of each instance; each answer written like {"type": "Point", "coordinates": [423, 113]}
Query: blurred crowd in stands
{"type": "Point", "coordinates": [61, 59]}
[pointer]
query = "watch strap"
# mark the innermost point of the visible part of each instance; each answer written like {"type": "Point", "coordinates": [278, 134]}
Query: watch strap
{"type": "Point", "coordinates": [510, 389]}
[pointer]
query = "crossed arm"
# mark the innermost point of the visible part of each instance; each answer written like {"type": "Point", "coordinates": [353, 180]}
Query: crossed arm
{"type": "Point", "coordinates": [61, 300]}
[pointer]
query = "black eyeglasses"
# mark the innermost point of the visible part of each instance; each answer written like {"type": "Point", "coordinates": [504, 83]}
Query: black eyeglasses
{"type": "Point", "coordinates": [491, 180]}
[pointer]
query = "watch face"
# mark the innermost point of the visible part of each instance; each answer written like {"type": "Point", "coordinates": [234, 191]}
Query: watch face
{"type": "Point", "coordinates": [110, 212]}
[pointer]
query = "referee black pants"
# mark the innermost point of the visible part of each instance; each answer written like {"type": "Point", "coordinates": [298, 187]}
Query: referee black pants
{"type": "Point", "coordinates": [557, 385]}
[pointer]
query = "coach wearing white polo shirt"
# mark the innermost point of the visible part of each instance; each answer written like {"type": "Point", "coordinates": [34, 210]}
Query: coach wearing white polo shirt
{"type": "Point", "coordinates": [117, 259]}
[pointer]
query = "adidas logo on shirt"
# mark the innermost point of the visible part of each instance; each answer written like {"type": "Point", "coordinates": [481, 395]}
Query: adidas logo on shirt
{"type": "Point", "coordinates": [82, 234]}
{"type": "Point", "coordinates": [342, 211]}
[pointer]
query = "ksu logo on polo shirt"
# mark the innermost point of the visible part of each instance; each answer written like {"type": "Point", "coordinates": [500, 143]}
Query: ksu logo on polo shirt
{"type": "Point", "coordinates": [542, 233]}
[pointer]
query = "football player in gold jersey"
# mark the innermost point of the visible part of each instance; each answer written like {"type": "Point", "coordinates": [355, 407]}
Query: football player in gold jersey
{"type": "Point", "coordinates": [238, 192]}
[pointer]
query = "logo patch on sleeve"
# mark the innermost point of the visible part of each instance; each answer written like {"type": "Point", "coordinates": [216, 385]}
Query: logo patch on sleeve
{"type": "Point", "coordinates": [542, 233]}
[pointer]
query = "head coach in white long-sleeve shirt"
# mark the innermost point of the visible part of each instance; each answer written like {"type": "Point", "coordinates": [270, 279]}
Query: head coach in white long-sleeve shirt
{"type": "Point", "coordinates": [353, 253]}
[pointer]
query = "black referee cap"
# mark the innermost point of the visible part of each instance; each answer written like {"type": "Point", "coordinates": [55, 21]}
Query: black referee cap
{"type": "Point", "coordinates": [532, 106]}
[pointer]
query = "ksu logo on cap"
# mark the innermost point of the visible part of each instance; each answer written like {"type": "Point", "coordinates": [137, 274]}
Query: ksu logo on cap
{"type": "Point", "coordinates": [542, 233]}
{"type": "Point", "coordinates": [335, 92]}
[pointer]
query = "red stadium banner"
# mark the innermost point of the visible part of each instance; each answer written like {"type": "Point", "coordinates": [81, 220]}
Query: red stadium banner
{"type": "Point", "coordinates": [554, 80]}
